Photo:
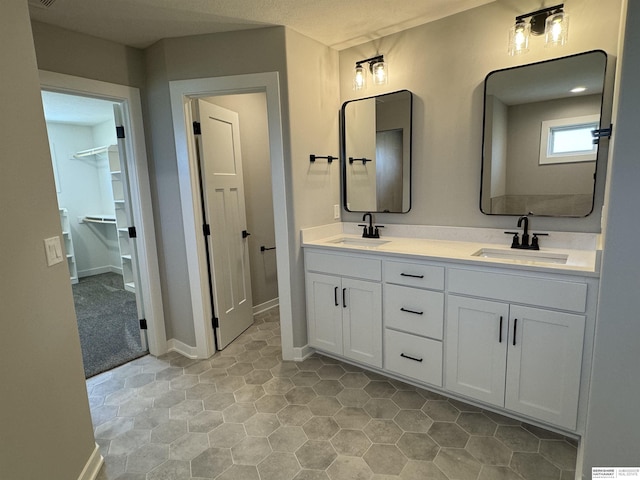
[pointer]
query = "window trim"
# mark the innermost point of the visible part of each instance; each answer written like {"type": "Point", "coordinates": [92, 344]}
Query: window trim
{"type": "Point", "coordinates": [546, 136]}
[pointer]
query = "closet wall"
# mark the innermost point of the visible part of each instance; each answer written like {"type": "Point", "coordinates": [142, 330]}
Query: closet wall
{"type": "Point", "coordinates": [84, 188]}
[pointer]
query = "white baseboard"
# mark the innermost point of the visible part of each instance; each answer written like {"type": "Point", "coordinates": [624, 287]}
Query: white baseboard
{"type": "Point", "coordinates": [300, 353]}
{"type": "Point", "coordinates": [188, 351]}
{"type": "Point", "coordinates": [98, 270]}
{"type": "Point", "coordinates": [263, 307]}
{"type": "Point", "coordinates": [93, 465]}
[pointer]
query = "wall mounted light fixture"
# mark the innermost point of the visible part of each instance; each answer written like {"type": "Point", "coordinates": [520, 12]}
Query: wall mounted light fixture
{"type": "Point", "coordinates": [553, 22]}
{"type": "Point", "coordinates": [377, 67]}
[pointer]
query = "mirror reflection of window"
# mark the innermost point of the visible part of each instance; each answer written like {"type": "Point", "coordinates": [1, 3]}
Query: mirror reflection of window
{"type": "Point", "coordinates": [568, 140]}
{"type": "Point", "coordinates": [533, 116]}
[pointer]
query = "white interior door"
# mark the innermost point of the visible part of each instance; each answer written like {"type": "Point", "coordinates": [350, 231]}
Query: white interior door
{"type": "Point", "coordinates": [224, 211]}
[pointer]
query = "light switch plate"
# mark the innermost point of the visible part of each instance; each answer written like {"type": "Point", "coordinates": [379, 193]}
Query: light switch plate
{"type": "Point", "coordinates": [336, 212]}
{"type": "Point", "coordinates": [53, 250]}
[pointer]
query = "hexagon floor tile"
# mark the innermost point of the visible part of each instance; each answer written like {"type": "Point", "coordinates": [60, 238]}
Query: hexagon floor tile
{"type": "Point", "coordinates": [244, 414]}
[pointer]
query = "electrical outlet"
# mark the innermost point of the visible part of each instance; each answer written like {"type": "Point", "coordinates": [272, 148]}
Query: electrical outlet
{"type": "Point", "coordinates": [336, 212]}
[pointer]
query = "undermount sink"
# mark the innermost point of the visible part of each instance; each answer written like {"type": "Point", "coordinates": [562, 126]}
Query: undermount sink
{"type": "Point", "coordinates": [528, 256]}
{"type": "Point", "coordinates": [360, 242]}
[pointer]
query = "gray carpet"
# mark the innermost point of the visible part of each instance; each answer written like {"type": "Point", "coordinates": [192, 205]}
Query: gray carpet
{"type": "Point", "coordinates": [107, 322]}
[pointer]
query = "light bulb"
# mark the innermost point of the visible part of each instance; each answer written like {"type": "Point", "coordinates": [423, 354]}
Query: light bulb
{"type": "Point", "coordinates": [519, 38]}
{"type": "Point", "coordinates": [379, 71]}
{"type": "Point", "coordinates": [359, 78]}
{"type": "Point", "coordinates": [556, 29]}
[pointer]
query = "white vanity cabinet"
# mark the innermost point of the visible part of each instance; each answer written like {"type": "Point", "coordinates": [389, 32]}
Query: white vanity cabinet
{"type": "Point", "coordinates": [413, 320]}
{"type": "Point", "coordinates": [517, 339]}
{"type": "Point", "coordinates": [523, 358]}
{"type": "Point", "coordinates": [344, 306]}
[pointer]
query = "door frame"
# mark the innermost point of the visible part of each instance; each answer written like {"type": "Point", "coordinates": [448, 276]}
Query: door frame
{"type": "Point", "coordinates": [182, 91]}
{"type": "Point", "coordinates": [148, 269]}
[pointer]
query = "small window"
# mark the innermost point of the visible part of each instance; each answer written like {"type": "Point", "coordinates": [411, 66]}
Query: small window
{"type": "Point", "coordinates": [568, 140]}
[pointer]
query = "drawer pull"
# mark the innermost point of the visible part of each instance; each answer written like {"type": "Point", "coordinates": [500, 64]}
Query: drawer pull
{"type": "Point", "coordinates": [344, 298]}
{"type": "Point", "coordinates": [410, 275]}
{"type": "Point", "coordinates": [402, 309]}
{"type": "Point", "coordinates": [411, 358]}
{"type": "Point", "coordinates": [335, 296]}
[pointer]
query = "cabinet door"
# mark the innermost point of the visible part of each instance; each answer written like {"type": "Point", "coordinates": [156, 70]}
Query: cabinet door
{"type": "Point", "coordinates": [543, 372]}
{"type": "Point", "coordinates": [324, 312]}
{"type": "Point", "coordinates": [476, 348]}
{"type": "Point", "coordinates": [362, 321]}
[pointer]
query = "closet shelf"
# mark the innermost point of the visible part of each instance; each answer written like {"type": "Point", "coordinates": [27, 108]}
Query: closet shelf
{"type": "Point", "coordinates": [92, 151]}
{"type": "Point", "coordinates": [110, 219]}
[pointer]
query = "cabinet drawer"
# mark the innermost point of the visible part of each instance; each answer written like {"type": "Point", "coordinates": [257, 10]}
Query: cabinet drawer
{"type": "Point", "coordinates": [541, 292]}
{"type": "Point", "coordinates": [414, 275]}
{"type": "Point", "coordinates": [347, 266]}
{"type": "Point", "coordinates": [414, 357]}
{"type": "Point", "coordinates": [413, 310]}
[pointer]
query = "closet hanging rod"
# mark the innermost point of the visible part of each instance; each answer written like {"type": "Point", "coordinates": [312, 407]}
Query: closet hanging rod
{"type": "Point", "coordinates": [92, 151]}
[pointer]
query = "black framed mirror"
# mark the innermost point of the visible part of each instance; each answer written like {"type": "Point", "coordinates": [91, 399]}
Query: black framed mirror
{"type": "Point", "coordinates": [376, 153]}
{"type": "Point", "coordinates": [538, 154]}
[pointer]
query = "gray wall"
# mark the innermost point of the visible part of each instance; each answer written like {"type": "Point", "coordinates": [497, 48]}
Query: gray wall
{"type": "Point", "coordinates": [444, 64]}
{"type": "Point", "coordinates": [613, 430]}
{"type": "Point", "coordinates": [178, 59]}
{"type": "Point", "coordinates": [256, 166]}
{"type": "Point", "coordinates": [312, 82]}
{"type": "Point", "coordinates": [524, 174]}
{"type": "Point", "coordinates": [309, 94]}
{"type": "Point", "coordinates": [63, 51]}
{"type": "Point", "coordinates": [46, 425]}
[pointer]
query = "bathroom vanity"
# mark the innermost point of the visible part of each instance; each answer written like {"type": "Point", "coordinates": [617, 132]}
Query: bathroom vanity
{"type": "Point", "coordinates": [455, 310]}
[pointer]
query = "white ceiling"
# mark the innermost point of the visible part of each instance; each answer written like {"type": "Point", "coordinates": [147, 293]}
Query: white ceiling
{"type": "Point", "coordinates": [76, 110]}
{"type": "Point", "coordinates": [337, 23]}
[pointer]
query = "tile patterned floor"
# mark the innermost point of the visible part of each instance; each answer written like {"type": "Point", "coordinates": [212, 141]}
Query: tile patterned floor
{"type": "Point", "coordinates": [244, 414]}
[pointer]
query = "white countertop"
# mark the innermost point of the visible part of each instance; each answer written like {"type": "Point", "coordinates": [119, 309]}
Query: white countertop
{"type": "Point", "coordinates": [583, 261]}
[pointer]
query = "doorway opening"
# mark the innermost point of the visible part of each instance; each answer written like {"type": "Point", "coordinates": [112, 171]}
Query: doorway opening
{"type": "Point", "coordinates": [232, 146]}
{"type": "Point", "coordinates": [182, 92]}
{"type": "Point", "coordinates": [93, 193]}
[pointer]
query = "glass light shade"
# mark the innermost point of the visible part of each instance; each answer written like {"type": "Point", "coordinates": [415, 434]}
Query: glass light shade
{"type": "Point", "coordinates": [359, 78]}
{"type": "Point", "coordinates": [519, 38]}
{"type": "Point", "coordinates": [380, 73]}
{"type": "Point", "coordinates": [556, 30]}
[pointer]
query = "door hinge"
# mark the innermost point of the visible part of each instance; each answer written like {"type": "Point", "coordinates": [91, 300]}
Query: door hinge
{"type": "Point", "coordinates": [206, 229]}
{"type": "Point", "coordinates": [120, 131]}
{"type": "Point", "coordinates": [132, 232]}
{"type": "Point", "coordinates": [214, 322]}
{"type": "Point", "coordinates": [143, 324]}
{"type": "Point", "coordinates": [196, 128]}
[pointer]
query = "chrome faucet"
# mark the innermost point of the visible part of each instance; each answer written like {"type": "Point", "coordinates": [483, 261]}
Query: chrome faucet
{"type": "Point", "coordinates": [370, 231]}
